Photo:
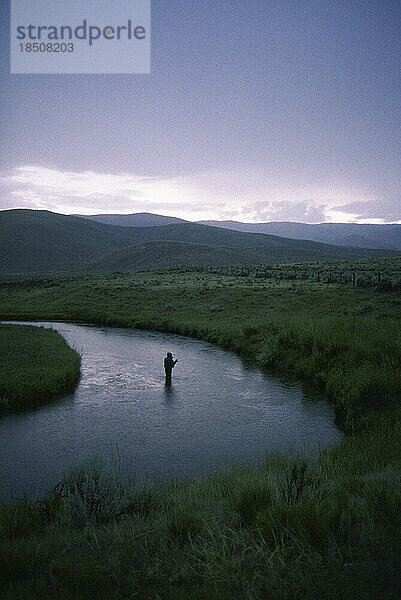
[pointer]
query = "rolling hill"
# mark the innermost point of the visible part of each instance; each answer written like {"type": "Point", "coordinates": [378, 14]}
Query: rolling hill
{"type": "Point", "coordinates": [33, 243]}
{"type": "Point", "coordinates": [134, 220]}
{"type": "Point", "coordinates": [163, 255]}
{"type": "Point", "coordinates": [41, 243]}
{"type": "Point", "coordinates": [340, 234]}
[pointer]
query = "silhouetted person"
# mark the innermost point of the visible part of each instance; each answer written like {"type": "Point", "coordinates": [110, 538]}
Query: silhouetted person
{"type": "Point", "coordinates": [168, 367]}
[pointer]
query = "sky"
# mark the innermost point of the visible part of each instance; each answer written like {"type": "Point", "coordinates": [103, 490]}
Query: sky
{"type": "Point", "coordinates": [253, 111]}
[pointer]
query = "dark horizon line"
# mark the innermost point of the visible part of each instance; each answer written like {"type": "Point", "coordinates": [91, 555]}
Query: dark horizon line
{"type": "Point", "coordinates": [201, 221]}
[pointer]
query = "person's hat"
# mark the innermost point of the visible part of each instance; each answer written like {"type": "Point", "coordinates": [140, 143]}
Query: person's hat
{"type": "Point", "coordinates": [169, 354]}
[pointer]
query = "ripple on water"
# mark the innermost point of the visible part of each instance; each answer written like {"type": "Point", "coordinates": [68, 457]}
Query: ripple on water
{"type": "Point", "coordinates": [217, 410]}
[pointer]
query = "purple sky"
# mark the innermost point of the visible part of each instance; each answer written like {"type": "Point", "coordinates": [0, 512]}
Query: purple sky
{"type": "Point", "coordinates": [254, 111]}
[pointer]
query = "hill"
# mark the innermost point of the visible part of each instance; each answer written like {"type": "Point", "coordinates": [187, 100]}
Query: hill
{"type": "Point", "coordinates": [340, 234]}
{"type": "Point", "coordinates": [41, 243]}
{"type": "Point", "coordinates": [167, 254]}
{"type": "Point", "coordinates": [134, 220]}
{"type": "Point", "coordinates": [220, 237]}
{"type": "Point", "coordinates": [33, 243]}
{"type": "Point", "coordinates": [163, 255]}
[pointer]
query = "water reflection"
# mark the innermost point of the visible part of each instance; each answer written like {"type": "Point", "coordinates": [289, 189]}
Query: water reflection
{"type": "Point", "coordinates": [218, 409]}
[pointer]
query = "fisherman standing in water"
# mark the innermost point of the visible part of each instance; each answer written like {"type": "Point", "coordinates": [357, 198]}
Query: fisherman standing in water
{"type": "Point", "coordinates": [168, 367]}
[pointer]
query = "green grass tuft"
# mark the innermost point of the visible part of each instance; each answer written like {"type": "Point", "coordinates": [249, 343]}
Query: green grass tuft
{"type": "Point", "coordinates": [36, 366]}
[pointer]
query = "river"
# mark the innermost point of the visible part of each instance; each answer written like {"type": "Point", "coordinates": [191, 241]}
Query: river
{"type": "Point", "coordinates": [219, 410]}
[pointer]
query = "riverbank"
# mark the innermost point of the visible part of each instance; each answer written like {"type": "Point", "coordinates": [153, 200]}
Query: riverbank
{"type": "Point", "coordinates": [36, 367]}
{"type": "Point", "coordinates": [298, 527]}
{"type": "Point", "coordinates": [219, 410]}
{"type": "Point", "coordinates": [344, 340]}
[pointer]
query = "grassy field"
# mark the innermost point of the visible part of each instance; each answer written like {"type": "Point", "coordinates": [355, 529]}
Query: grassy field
{"type": "Point", "coordinates": [383, 274]}
{"type": "Point", "coordinates": [345, 340]}
{"type": "Point", "coordinates": [36, 366]}
{"type": "Point", "coordinates": [321, 526]}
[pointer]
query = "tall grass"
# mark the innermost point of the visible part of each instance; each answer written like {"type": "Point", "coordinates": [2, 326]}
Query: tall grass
{"type": "Point", "coordinates": [36, 366]}
{"type": "Point", "coordinates": [345, 340]}
{"type": "Point", "coordinates": [235, 534]}
{"type": "Point", "coordinates": [315, 526]}
{"type": "Point", "coordinates": [355, 362]}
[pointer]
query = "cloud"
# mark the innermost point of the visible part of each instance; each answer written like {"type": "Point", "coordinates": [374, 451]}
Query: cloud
{"type": "Point", "coordinates": [309, 211]}
{"type": "Point", "coordinates": [374, 209]}
{"type": "Point", "coordinates": [88, 192]}
{"type": "Point", "coordinates": [253, 195]}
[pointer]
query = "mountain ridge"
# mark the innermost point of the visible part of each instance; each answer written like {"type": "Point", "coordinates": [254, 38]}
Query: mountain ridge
{"type": "Point", "coordinates": [361, 235]}
{"type": "Point", "coordinates": [384, 236]}
{"type": "Point", "coordinates": [142, 219]}
{"type": "Point", "coordinates": [42, 243]}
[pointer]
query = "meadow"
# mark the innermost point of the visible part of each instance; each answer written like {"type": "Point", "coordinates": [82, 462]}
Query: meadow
{"type": "Point", "coordinates": [381, 273]}
{"type": "Point", "coordinates": [36, 366]}
{"type": "Point", "coordinates": [344, 339]}
{"type": "Point", "coordinates": [324, 525]}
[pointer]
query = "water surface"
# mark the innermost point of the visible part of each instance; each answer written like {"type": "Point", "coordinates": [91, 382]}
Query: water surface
{"type": "Point", "coordinates": [218, 410]}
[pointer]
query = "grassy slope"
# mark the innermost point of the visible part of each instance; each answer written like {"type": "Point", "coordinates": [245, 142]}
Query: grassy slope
{"type": "Point", "coordinates": [162, 255]}
{"type": "Point", "coordinates": [170, 254]}
{"type": "Point", "coordinates": [36, 243]}
{"type": "Point", "coordinates": [36, 366]}
{"type": "Point", "coordinates": [245, 534]}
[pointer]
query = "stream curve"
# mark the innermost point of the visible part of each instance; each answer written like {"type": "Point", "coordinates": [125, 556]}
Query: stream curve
{"type": "Point", "coordinates": [219, 410]}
